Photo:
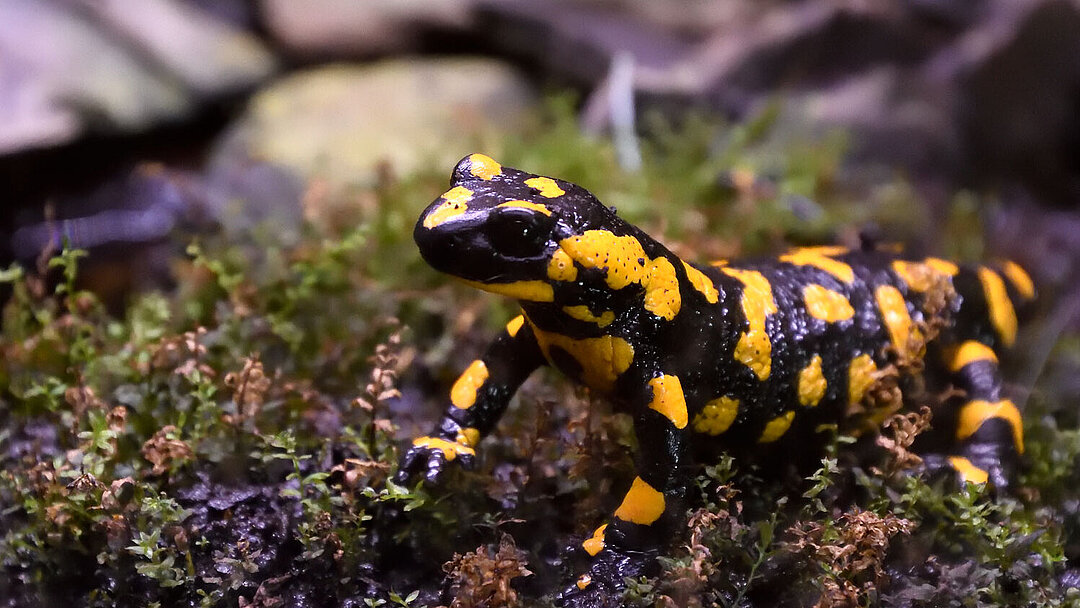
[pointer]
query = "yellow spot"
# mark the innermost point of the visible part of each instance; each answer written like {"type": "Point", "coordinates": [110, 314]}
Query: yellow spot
{"type": "Point", "coordinates": [526, 205]}
{"type": "Point", "coordinates": [620, 257]}
{"type": "Point", "coordinates": [547, 186]}
{"type": "Point", "coordinates": [595, 544]}
{"type": "Point", "coordinates": [662, 297]}
{"type": "Point", "coordinates": [896, 317]}
{"type": "Point", "coordinates": [561, 267]}
{"type": "Point", "coordinates": [454, 204]}
{"type": "Point", "coordinates": [860, 377]}
{"type": "Point", "coordinates": [515, 325]}
{"type": "Point", "coordinates": [776, 427]}
{"type": "Point", "coordinates": [754, 349]}
{"type": "Point", "coordinates": [812, 383]}
{"type": "Point", "coordinates": [1002, 315]}
{"type": "Point", "coordinates": [1019, 278]}
{"type": "Point", "coordinates": [969, 352]}
{"type": "Point", "coordinates": [449, 449]}
{"type": "Point", "coordinates": [463, 394]}
{"type": "Point", "coordinates": [717, 416]}
{"type": "Point", "coordinates": [702, 283]}
{"type": "Point", "coordinates": [582, 313]}
{"type": "Point", "coordinates": [583, 581]}
{"type": "Point", "coordinates": [968, 471]}
{"type": "Point", "coordinates": [603, 359]}
{"type": "Point", "coordinates": [668, 399]}
{"type": "Point", "coordinates": [468, 436]}
{"type": "Point", "coordinates": [642, 504]}
{"type": "Point", "coordinates": [942, 266]}
{"type": "Point", "coordinates": [977, 411]}
{"type": "Point", "coordinates": [719, 263]}
{"type": "Point", "coordinates": [818, 257]}
{"type": "Point", "coordinates": [826, 304]}
{"type": "Point", "coordinates": [533, 291]}
{"type": "Point", "coordinates": [484, 167]}
{"type": "Point", "coordinates": [624, 262]}
{"type": "Point", "coordinates": [918, 277]}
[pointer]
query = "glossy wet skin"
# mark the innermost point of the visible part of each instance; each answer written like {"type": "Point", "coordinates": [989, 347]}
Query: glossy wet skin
{"type": "Point", "coordinates": [745, 355]}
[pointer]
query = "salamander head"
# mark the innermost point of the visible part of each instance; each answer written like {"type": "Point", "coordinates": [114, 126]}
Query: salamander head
{"type": "Point", "coordinates": [498, 228]}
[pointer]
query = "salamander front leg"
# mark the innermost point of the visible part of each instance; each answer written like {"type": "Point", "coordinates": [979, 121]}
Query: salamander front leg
{"type": "Point", "coordinates": [651, 510]}
{"type": "Point", "coordinates": [477, 400]}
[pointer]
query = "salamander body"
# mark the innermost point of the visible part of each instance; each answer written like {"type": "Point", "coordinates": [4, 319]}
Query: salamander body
{"type": "Point", "coordinates": [739, 354]}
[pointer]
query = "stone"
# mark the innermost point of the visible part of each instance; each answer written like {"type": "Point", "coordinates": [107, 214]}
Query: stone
{"type": "Point", "coordinates": [349, 28]}
{"type": "Point", "coordinates": [68, 68]}
{"type": "Point", "coordinates": [338, 122]}
{"type": "Point", "coordinates": [206, 55]}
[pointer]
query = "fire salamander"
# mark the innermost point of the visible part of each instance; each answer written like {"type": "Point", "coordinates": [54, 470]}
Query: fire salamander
{"type": "Point", "coordinates": [737, 354]}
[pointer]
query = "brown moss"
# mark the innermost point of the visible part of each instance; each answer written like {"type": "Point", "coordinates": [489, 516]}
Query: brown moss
{"type": "Point", "coordinates": [852, 552]}
{"type": "Point", "coordinates": [481, 579]}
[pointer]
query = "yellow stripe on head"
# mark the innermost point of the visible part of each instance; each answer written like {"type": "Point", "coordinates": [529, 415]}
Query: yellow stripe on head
{"type": "Point", "coordinates": [546, 186]}
{"type": "Point", "coordinates": [527, 205]}
{"type": "Point", "coordinates": [532, 291]}
{"type": "Point", "coordinates": [484, 167]}
{"type": "Point", "coordinates": [455, 202]}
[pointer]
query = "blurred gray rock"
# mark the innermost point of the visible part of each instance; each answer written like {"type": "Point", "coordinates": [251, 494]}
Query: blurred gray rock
{"type": "Point", "coordinates": [351, 28]}
{"type": "Point", "coordinates": [106, 66]}
{"type": "Point", "coordinates": [339, 122]}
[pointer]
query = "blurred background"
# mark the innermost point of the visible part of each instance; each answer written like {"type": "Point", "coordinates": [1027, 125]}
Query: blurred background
{"type": "Point", "coordinates": [122, 122]}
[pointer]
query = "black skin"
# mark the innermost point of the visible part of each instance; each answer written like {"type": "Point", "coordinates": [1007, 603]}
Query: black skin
{"type": "Point", "coordinates": [499, 235]}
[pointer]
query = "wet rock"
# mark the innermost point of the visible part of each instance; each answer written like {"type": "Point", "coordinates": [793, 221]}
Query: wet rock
{"type": "Point", "coordinates": [76, 67]}
{"type": "Point", "coordinates": [339, 122]}
{"type": "Point", "coordinates": [346, 28]}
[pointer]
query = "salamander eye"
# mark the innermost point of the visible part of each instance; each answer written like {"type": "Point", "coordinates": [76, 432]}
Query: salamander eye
{"type": "Point", "coordinates": [518, 233]}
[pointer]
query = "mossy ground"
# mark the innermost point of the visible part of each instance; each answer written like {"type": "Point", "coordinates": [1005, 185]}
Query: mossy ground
{"type": "Point", "coordinates": [229, 442]}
